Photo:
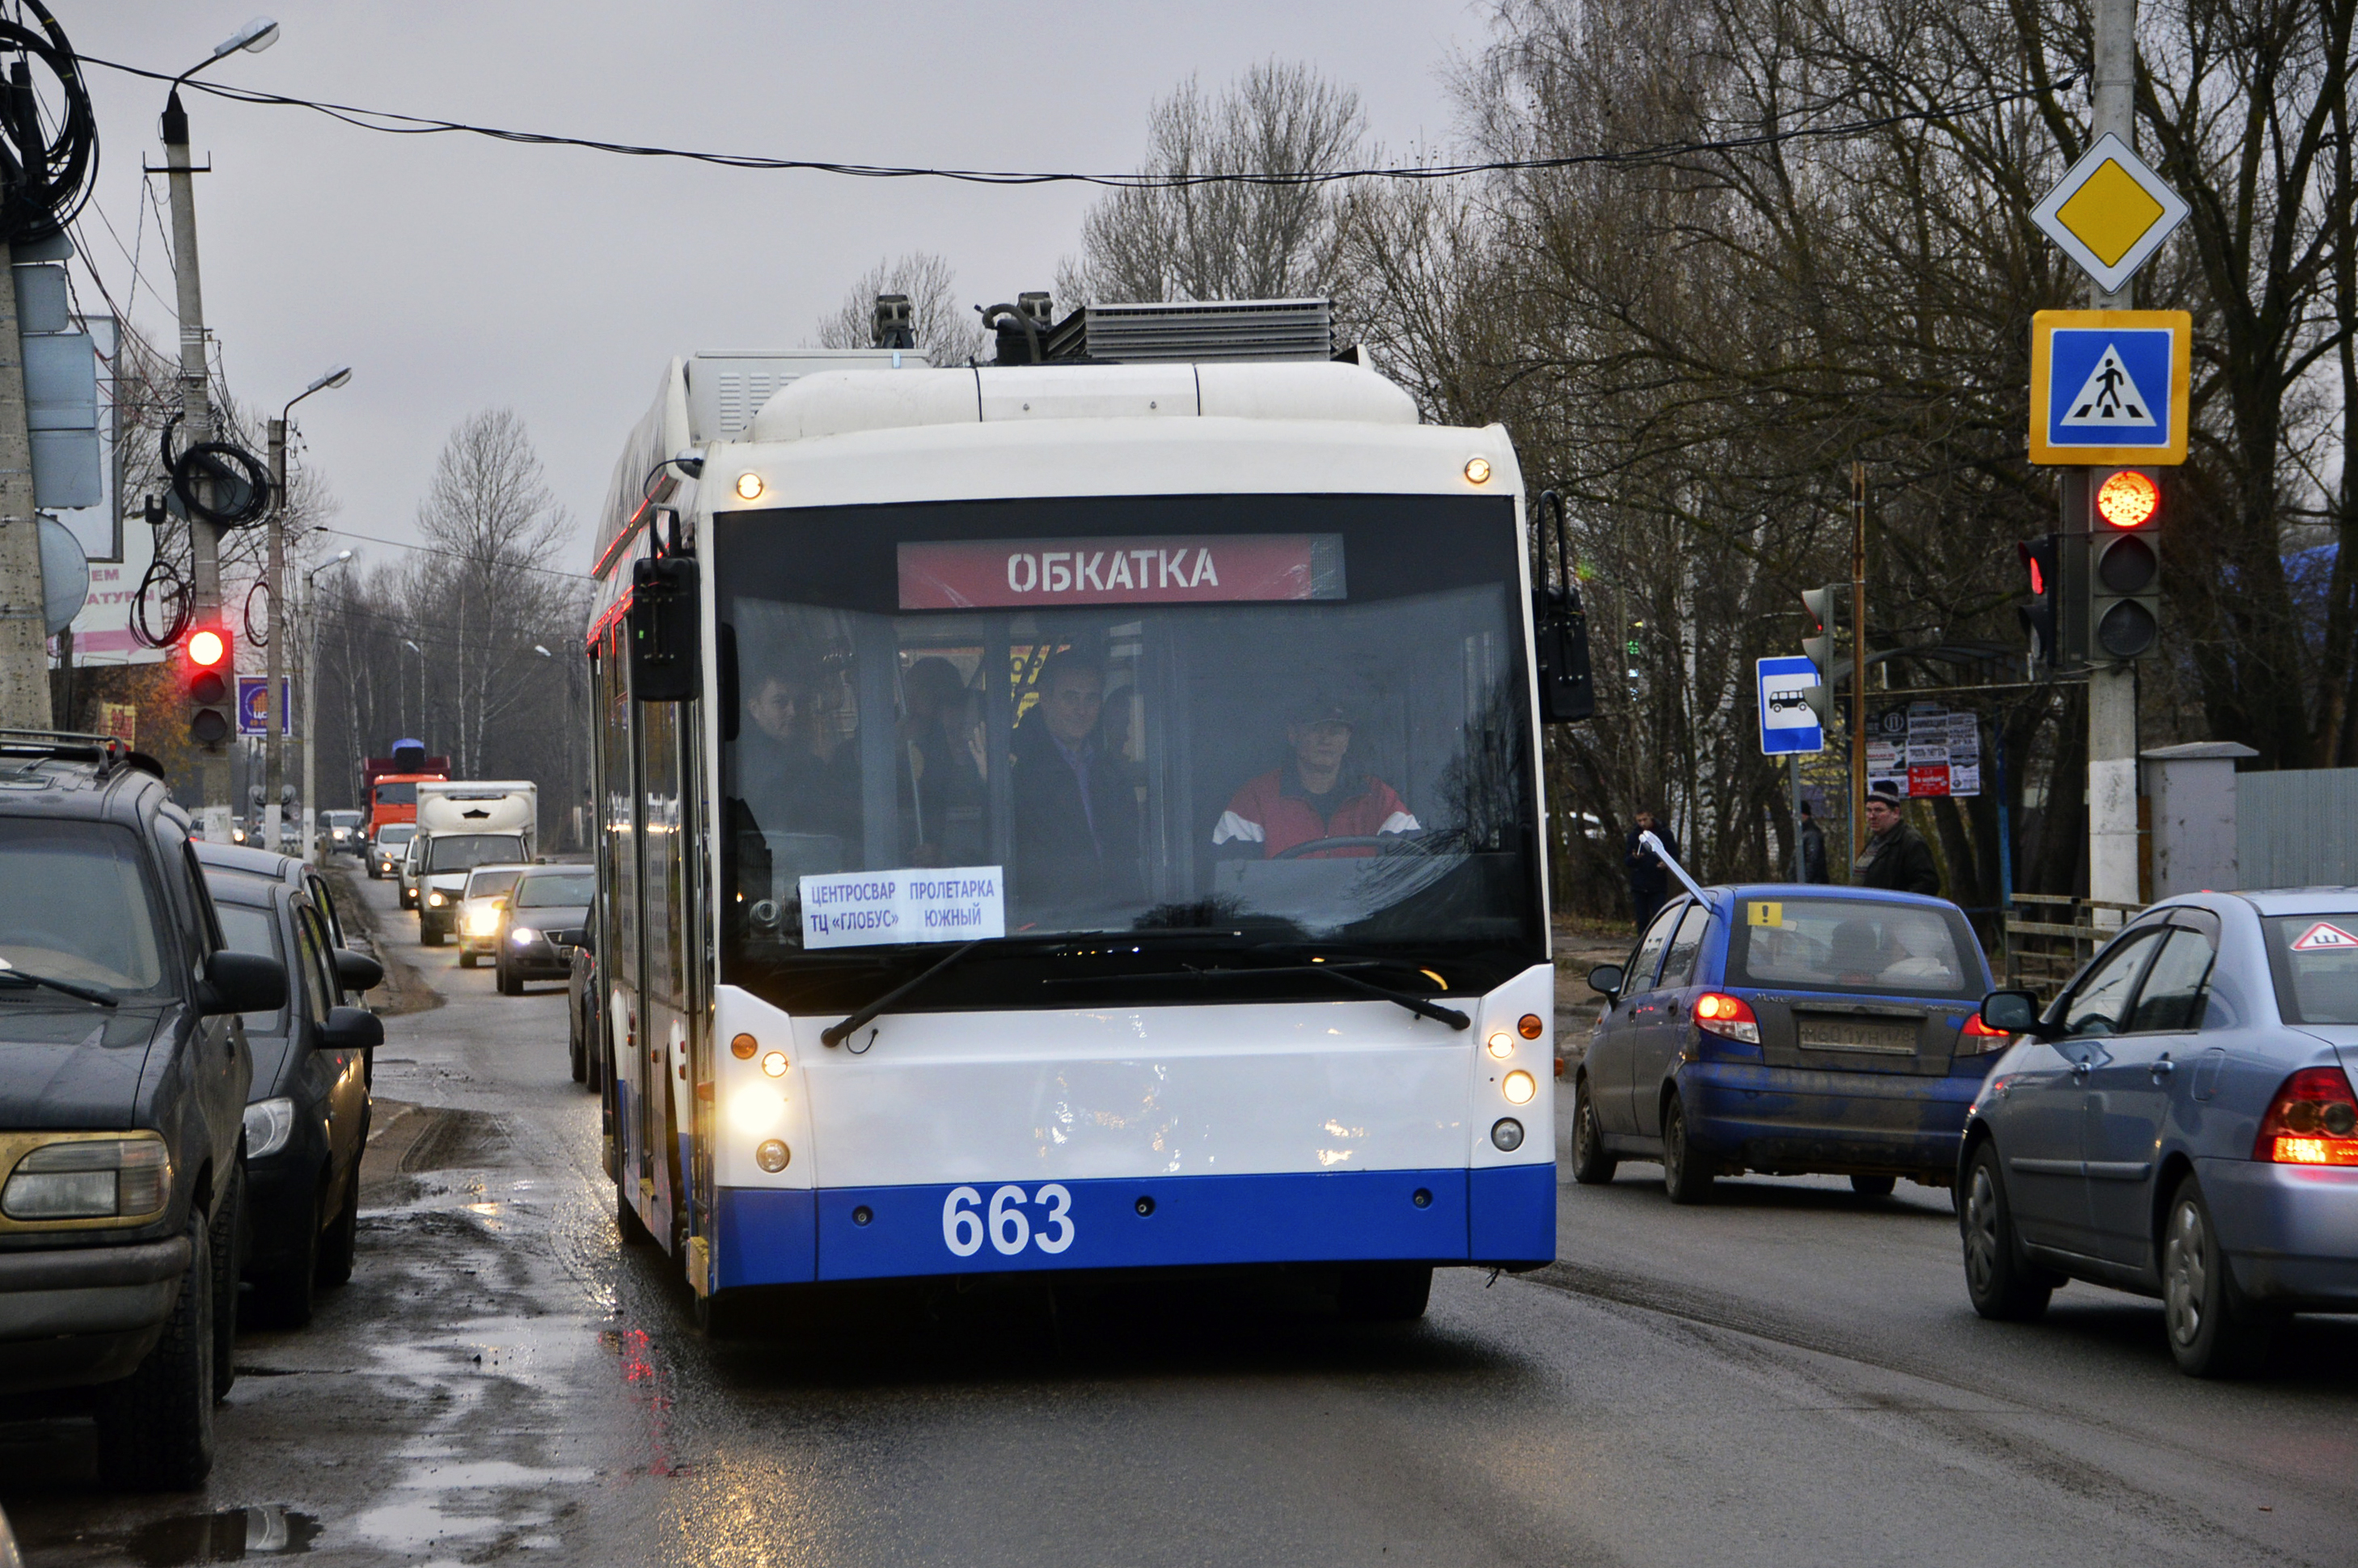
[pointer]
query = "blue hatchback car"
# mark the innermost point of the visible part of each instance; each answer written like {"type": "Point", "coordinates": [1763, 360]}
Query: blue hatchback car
{"type": "Point", "coordinates": [1788, 1029]}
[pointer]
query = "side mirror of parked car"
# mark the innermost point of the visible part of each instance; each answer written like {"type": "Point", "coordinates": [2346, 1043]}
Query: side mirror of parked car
{"type": "Point", "coordinates": [358, 971]}
{"type": "Point", "coordinates": [242, 982]}
{"type": "Point", "coordinates": [352, 1029]}
{"type": "Point", "coordinates": [1604, 980]}
{"type": "Point", "coordinates": [2011, 1013]}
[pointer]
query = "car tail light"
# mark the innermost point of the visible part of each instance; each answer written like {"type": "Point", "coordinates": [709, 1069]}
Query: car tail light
{"type": "Point", "coordinates": [1977, 1038]}
{"type": "Point", "coordinates": [2312, 1121]}
{"type": "Point", "coordinates": [1729, 1017]}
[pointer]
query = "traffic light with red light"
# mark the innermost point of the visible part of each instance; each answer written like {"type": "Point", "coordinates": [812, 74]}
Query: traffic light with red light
{"type": "Point", "coordinates": [211, 685]}
{"type": "Point", "coordinates": [2124, 561]}
{"type": "Point", "coordinates": [2043, 616]}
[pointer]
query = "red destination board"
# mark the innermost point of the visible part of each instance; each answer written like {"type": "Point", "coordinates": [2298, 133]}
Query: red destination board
{"type": "Point", "coordinates": [978, 574]}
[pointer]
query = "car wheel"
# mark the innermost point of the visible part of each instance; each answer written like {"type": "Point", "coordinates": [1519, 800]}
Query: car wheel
{"type": "Point", "coordinates": [1686, 1175]}
{"type": "Point", "coordinates": [2213, 1331]}
{"type": "Point", "coordinates": [431, 934]}
{"type": "Point", "coordinates": [283, 1298]}
{"type": "Point", "coordinates": [156, 1427]}
{"type": "Point", "coordinates": [2004, 1288]}
{"type": "Point", "coordinates": [511, 984]}
{"type": "Point", "coordinates": [1591, 1166]}
{"type": "Point", "coordinates": [576, 1057]}
{"type": "Point", "coordinates": [1874, 1187]}
{"type": "Point", "coordinates": [466, 959]}
{"type": "Point", "coordinates": [1383, 1293]}
{"type": "Point", "coordinates": [340, 1248]}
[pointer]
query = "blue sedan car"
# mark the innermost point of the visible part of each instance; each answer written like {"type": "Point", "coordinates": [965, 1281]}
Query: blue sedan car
{"type": "Point", "coordinates": [2180, 1122]}
{"type": "Point", "coordinates": [1787, 1029]}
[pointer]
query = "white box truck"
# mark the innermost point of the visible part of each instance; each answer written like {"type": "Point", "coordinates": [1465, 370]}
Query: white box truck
{"type": "Point", "coordinates": [463, 824]}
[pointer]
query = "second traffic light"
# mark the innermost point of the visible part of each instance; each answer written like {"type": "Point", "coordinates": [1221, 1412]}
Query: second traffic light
{"type": "Point", "coordinates": [1825, 605]}
{"type": "Point", "coordinates": [211, 685]}
{"type": "Point", "coordinates": [2124, 562]}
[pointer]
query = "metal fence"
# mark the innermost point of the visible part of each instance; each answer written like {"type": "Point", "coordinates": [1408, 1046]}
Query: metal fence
{"type": "Point", "coordinates": [2296, 829]}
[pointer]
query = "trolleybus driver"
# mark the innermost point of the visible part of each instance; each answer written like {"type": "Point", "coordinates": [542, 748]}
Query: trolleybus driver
{"type": "Point", "coordinates": [1311, 797]}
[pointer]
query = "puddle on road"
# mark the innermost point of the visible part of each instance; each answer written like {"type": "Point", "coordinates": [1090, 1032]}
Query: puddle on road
{"type": "Point", "coordinates": [231, 1535]}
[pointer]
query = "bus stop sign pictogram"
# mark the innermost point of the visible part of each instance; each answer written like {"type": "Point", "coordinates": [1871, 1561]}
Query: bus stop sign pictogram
{"type": "Point", "coordinates": [2109, 386]}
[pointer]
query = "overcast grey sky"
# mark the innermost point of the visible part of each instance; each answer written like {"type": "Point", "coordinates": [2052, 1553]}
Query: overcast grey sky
{"type": "Point", "coordinates": [455, 272]}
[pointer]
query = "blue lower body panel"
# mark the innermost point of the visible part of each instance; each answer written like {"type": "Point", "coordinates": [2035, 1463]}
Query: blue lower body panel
{"type": "Point", "coordinates": [766, 1237]}
{"type": "Point", "coordinates": [1510, 1215]}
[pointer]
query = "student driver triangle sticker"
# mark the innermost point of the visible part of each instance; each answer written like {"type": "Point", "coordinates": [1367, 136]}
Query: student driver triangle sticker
{"type": "Point", "coordinates": [2110, 398]}
{"type": "Point", "coordinates": [2323, 935]}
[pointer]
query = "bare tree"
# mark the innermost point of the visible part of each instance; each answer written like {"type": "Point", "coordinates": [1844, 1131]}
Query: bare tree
{"type": "Point", "coordinates": [948, 332]}
{"type": "Point", "coordinates": [1230, 240]}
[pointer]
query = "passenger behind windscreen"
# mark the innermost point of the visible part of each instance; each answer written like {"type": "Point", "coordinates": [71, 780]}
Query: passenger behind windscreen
{"type": "Point", "coordinates": [945, 766]}
{"type": "Point", "coordinates": [1075, 815]}
{"type": "Point", "coordinates": [795, 772]}
{"type": "Point", "coordinates": [1314, 796]}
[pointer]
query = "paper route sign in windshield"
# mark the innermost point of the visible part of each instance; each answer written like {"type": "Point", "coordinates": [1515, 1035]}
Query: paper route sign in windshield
{"type": "Point", "coordinates": [972, 573]}
{"type": "Point", "coordinates": [866, 909]}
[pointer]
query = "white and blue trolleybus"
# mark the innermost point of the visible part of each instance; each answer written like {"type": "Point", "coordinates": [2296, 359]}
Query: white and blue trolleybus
{"type": "Point", "coordinates": [1080, 814]}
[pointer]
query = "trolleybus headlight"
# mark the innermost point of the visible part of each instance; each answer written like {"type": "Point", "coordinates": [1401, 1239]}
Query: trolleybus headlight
{"type": "Point", "coordinates": [749, 486]}
{"type": "Point", "coordinates": [775, 1064]}
{"type": "Point", "coordinates": [1507, 1135]}
{"type": "Point", "coordinates": [1477, 470]}
{"type": "Point", "coordinates": [1519, 1087]}
{"type": "Point", "coordinates": [756, 1108]}
{"type": "Point", "coordinates": [773, 1156]}
{"type": "Point", "coordinates": [1502, 1044]}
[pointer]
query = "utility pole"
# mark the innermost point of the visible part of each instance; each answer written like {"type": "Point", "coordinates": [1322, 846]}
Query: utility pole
{"type": "Point", "coordinates": [195, 425]}
{"type": "Point", "coordinates": [24, 615]}
{"type": "Point", "coordinates": [274, 717]}
{"type": "Point", "coordinates": [1858, 661]}
{"type": "Point", "coordinates": [312, 702]}
{"type": "Point", "coordinates": [2112, 686]}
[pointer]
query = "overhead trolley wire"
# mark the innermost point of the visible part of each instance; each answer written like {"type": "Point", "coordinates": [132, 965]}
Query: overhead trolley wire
{"type": "Point", "coordinates": [391, 122]}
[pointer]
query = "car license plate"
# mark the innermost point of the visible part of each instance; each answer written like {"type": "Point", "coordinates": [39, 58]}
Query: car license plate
{"type": "Point", "coordinates": [1875, 1036]}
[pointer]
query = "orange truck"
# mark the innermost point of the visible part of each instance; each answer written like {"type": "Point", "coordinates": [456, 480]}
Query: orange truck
{"type": "Point", "coordinates": [390, 783]}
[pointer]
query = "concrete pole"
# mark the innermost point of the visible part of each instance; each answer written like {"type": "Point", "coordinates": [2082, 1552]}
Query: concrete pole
{"type": "Point", "coordinates": [24, 616]}
{"type": "Point", "coordinates": [195, 425]}
{"type": "Point", "coordinates": [310, 713]}
{"type": "Point", "coordinates": [2112, 687]}
{"type": "Point", "coordinates": [1858, 661]}
{"type": "Point", "coordinates": [273, 718]}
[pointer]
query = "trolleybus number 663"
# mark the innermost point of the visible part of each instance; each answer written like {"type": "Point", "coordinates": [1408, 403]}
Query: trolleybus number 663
{"type": "Point", "coordinates": [965, 1225]}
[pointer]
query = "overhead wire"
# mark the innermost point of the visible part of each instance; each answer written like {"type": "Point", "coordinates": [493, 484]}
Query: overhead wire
{"type": "Point", "coordinates": [433, 550]}
{"type": "Point", "coordinates": [387, 122]}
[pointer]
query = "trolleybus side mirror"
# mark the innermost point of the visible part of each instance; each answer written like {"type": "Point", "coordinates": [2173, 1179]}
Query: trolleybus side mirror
{"type": "Point", "coordinates": [1558, 624]}
{"type": "Point", "coordinates": [666, 664]}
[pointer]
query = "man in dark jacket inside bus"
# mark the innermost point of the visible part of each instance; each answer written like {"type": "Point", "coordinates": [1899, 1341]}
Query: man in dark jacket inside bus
{"type": "Point", "coordinates": [1075, 812]}
{"type": "Point", "coordinates": [1897, 858]}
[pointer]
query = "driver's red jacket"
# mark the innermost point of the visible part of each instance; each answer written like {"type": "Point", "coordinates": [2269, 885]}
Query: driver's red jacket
{"type": "Point", "coordinates": [1275, 811]}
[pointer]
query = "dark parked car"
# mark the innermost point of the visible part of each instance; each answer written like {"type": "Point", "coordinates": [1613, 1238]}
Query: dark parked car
{"type": "Point", "coordinates": [124, 1071]}
{"type": "Point", "coordinates": [541, 925]}
{"type": "Point", "coordinates": [306, 1114]}
{"type": "Point", "coordinates": [582, 1039]}
{"type": "Point", "coordinates": [2180, 1122]}
{"type": "Point", "coordinates": [264, 866]}
{"type": "Point", "coordinates": [1786, 1029]}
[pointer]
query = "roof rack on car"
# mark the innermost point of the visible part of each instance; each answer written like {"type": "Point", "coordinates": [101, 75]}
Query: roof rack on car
{"type": "Point", "coordinates": [107, 752]}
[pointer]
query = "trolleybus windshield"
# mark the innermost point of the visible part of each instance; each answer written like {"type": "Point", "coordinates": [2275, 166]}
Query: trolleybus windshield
{"type": "Point", "coordinates": [1274, 722]}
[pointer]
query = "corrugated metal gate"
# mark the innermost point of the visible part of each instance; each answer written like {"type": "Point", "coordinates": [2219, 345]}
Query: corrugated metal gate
{"type": "Point", "coordinates": [2297, 827]}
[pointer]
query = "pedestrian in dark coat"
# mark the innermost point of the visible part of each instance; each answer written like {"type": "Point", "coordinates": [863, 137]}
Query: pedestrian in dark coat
{"type": "Point", "coordinates": [1649, 880]}
{"type": "Point", "coordinates": [1896, 858]}
{"type": "Point", "coordinates": [1813, 848]}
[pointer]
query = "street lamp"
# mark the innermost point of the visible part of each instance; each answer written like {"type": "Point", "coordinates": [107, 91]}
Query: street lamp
{"type": "Point", "coordinates": [253, 38]}
{"type": "Point", "coordinates": [421, 685]}
{"type": "Point", "coordinates": [274, 722]}
{"type": "Point", "coordinates": [311, 705]}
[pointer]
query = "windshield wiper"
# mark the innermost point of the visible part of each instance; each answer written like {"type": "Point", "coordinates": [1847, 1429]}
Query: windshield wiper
{"type": "Point", "coordinates": [27, 980]}
{"type": "Point", "coordinates": [837, 1034]}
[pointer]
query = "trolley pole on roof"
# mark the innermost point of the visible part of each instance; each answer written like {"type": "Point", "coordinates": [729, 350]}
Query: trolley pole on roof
{"type": "Point", "coordinates": [2112, 686]}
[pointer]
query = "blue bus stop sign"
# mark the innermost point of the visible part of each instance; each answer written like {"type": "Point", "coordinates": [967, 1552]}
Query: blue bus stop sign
{"type": "Point", "coordinates": [1788, 722]}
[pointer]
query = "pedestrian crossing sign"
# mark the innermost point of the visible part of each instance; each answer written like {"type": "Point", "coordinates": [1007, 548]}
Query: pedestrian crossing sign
{"type": "Point", "coordinates": [2110, 387]}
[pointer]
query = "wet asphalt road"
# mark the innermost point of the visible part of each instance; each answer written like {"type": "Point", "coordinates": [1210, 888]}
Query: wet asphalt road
{"type": "Point", "coordinates": [1790, 1375]}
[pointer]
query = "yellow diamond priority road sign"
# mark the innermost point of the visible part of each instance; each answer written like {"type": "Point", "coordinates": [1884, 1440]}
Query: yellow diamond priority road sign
{"type": "Point", "coordinates": [2111, 214]}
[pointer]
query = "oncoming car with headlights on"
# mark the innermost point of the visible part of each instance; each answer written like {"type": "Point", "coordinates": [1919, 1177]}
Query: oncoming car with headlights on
{"type": "Point", "coordinates": [481, 899]}
{"type": "Point", "coordinates": [541, 925]}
